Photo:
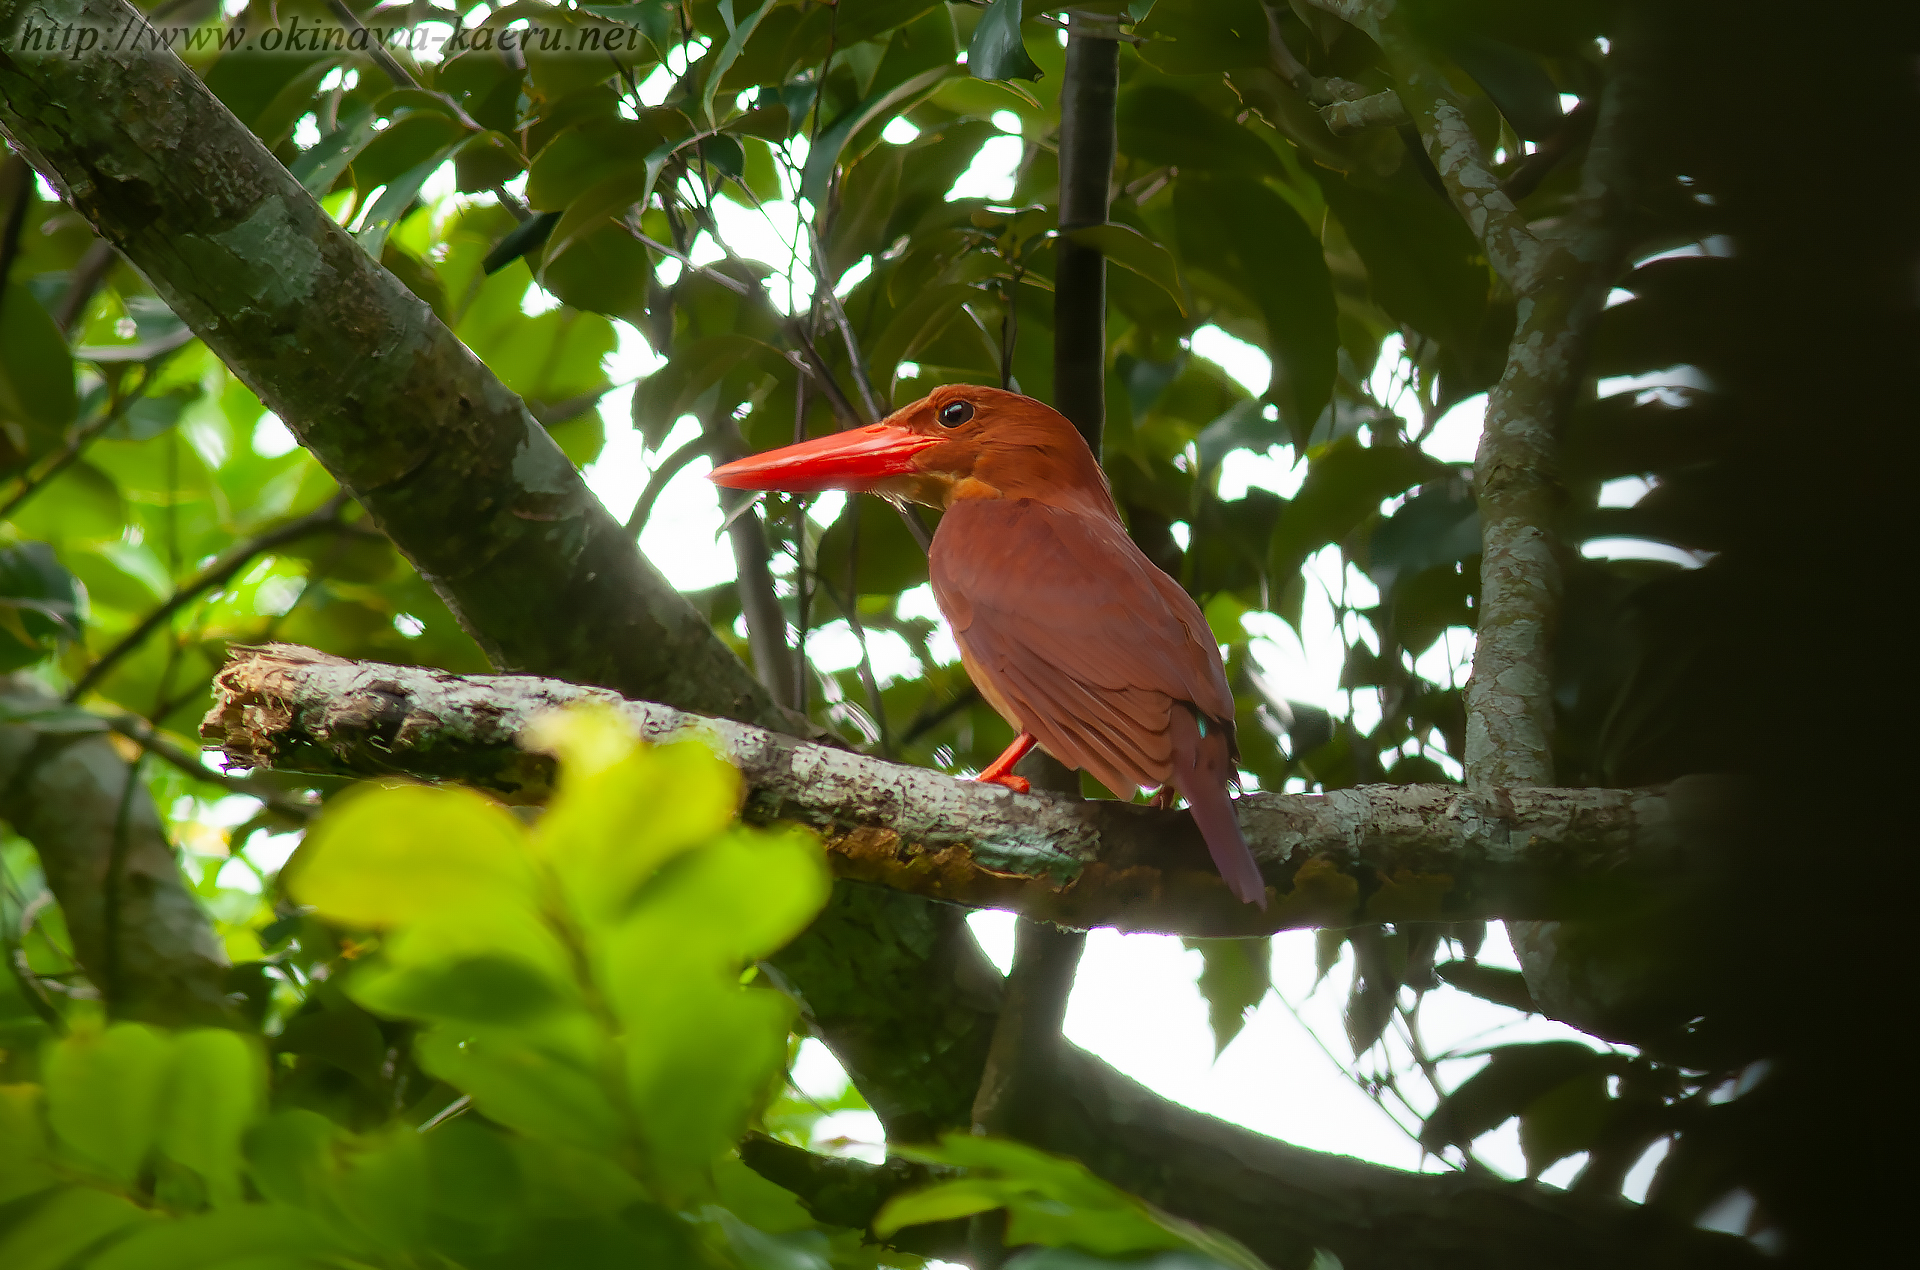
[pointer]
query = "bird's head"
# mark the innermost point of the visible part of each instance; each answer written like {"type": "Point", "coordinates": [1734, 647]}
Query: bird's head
{"type": "Point", "coordinates": [957, 442]}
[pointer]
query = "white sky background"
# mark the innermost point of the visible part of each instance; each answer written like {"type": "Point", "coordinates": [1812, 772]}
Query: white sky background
{"type": "Point", "coordinates": [1135, 1003]}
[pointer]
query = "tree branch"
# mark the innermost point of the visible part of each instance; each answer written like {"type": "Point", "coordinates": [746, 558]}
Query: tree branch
{"type": "Point", "coordinates": [1379, 853]}
{"type": "Point", "coordinates": [1559, 284]}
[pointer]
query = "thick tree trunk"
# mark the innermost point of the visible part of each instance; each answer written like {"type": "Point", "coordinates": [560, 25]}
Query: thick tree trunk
{"type": "Point", "coordinates": [138, 933]}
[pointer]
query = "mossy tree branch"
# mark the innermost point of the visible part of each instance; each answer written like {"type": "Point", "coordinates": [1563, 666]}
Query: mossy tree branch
{"type": "Point", "coordinates": [1378, 853]}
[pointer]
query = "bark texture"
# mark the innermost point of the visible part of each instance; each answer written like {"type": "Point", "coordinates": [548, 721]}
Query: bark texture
{"type": "Point", "coordinates": [1377, 853]}
{"type": "Point", "coordinates": [138, 933]}
{"type": "Point", "coordinates": [447, 461]}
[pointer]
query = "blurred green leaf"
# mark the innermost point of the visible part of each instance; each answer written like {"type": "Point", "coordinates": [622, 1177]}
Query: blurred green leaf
{"type": "Point", "coordinates": [36, 370]}
{"type": "Point", "coordinates": [1489, 983]}
{"type": "Point", "coordinates": [1516, 82]}
{"type": "Point", "coordinates": [1160, 124]}
{"type": "Point", "coordinates": [64, 1226]}
{"type": "Point", "coordinates": [1439, 525]}
{"type": "Point", "coordinates": [218, 1089]}
{"type": "Point", "coordinates": [1346, 482]}
{"type": "Point", "coordinates": [1129, 248]}
{"type": "Point", "coordinates": [824, 155]}
{"type": "Point", "coordinates": [321, 164]}
{"type": "Point", "coordinates": [485, 161]}
{"type": "Point", "coordinates": [40, 605]}
{"type": "Point", "coordinates": [105, 1092]}
{"type": "Point", "coordinates": [1515, 1075]}
{"type": "Point", "coordinates": [386, 856]}
{"type": "Point", "coordinates": [1565, 1120]}
{"type": "Point", "coordinates": [996, 50]}
{"type": "Point", "coordinates": [1235, 975]}
{"type": "Point", "coordinates": [1050, 1201]}
{"type": "Point", "coordinates": [24, 1163]}
{"type": "Point", "coordinates": [1251, 240]}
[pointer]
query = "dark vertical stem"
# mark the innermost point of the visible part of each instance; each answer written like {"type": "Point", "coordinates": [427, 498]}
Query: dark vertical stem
{"type": "Point", "coordinates": [759, 602]}
{"type": "Point", "coordinates": [799, 697]}
{"type": "Point", "coordinates": [1080, 278]}
{"type": "Point", "coordinates": [16, 196]}
{"type": "Point", "coordinates": [1017, 1087]}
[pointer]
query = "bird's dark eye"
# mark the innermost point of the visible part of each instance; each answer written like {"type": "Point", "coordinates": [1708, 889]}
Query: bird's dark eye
{"type": "Point", "coordinates": [955, 413]}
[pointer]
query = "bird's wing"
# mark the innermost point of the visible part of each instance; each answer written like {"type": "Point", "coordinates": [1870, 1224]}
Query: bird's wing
{"type": "Point", "coordinates": [1077, 632]}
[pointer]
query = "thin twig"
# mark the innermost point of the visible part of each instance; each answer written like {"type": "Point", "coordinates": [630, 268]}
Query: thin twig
{"type": "Point", "coordinates": [843, 411]}
{"type": "Point", "coordinates": [156, 743]}
{"type": "Point", "coordinates": [15, 945]}
{"type": "Point", "coordinates": [838, 313]}
{"type": "Point", "coordinates": [82, 283]}
{"type": "Point", "coordinates": [16, 174]}
{"type": "Point", "coordinates": [657, 483]}
{"type": "Point", "coordinates": [928, 720]}
{"type": "Point", "coordinates": [230, 562]}
{"type": "Point", "coordinates": [1570, 135]}
{"type": "Point", "coordinates": [849, 608]}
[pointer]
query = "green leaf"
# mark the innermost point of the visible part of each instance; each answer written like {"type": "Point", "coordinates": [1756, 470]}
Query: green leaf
{"type": "Point", "coordinates": [1251, 240]}
{"type": "Point", "coordinates": [321, 164]}
{"type": "Point", "coordinates": [408, 142]}
{"type": "Point", "coordinates": [1163, 125]}
{"type": "Point", "coordinates": [1440, 525]}
{"type": "Point", "coordinates": [1513, 1078]}
{"type": "Point", "coordinates": [54, 1233]}
{"type": "Point", "coordinates": [1564, 1121]}
{"type": "Point", "coordinates": [380, 857]}
{"type": "Point", "coordinates": [485, 161]}
{"type": "Point", "coordinates": [40, 605]}
{"type": "Point", "coordinates": [36, 370]}
{"type": "Point", "coordinates": [104, 1094]}
{"type": "Point", "coordinates": [889, 560]}
{"type": "Point", "coordinates": [396, 199]}
{"type": "Point", "coordinates": [1346, 483]}
{"type": "Point", "coordinates": [737, 37]}
{"type": "Point", "coordinates": [1423, 265]}
{"type": "Point", "coordinates": [1234, 977]}
{"type": "Point", "coordinates": [24, 1163]}
{"type": "Point", "coordinates": [825, 154]}
{"type": "Point", "coordinates": [218, 1089]}
{"type": "Point", "coordinates": [1516, 82]}
{"type": "Point", "coordinates": [1131, 249]}
{"type": "Point", "coordinates": [249, 1234]}
{"type": "Point", "coordinates": [996, 50]}
{"type": "Point", "coordinates": [522, 1087]}
{"type": "Point", "coordinates": [670, 392]}
{"type": "Point", "coordinates": [590, 153]}
{"type": "Point", "coordinates": [492, 988]}
{"type": "Point", "coordinates": [1489, 983]}
{"type": "Point", "coordinates": [525, 237]}
{"type": "Point", "coordinates": [1051, 1201]}
{"type": "Point", "coordinates": [601, 270]}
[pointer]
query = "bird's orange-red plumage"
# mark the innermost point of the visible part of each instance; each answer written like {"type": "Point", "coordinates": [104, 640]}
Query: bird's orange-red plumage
{"type": "Point", "coordinates": [1068, 630]}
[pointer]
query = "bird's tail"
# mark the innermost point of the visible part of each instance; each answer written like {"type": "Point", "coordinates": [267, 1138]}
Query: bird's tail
{"type": "Point", "coordinates": [1202, 772]}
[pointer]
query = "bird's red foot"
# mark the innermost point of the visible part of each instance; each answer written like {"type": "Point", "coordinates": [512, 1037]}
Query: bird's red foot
{"type": "Point", "coordinates": [1000, 771]}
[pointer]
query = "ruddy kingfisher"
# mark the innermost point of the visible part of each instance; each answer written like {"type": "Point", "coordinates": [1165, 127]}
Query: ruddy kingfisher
{"type": "Point", "coordinates": [1068, 630]}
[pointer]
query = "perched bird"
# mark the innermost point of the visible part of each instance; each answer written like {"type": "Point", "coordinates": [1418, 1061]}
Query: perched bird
{"type": "Point", "coordinates": [1069, 632]}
